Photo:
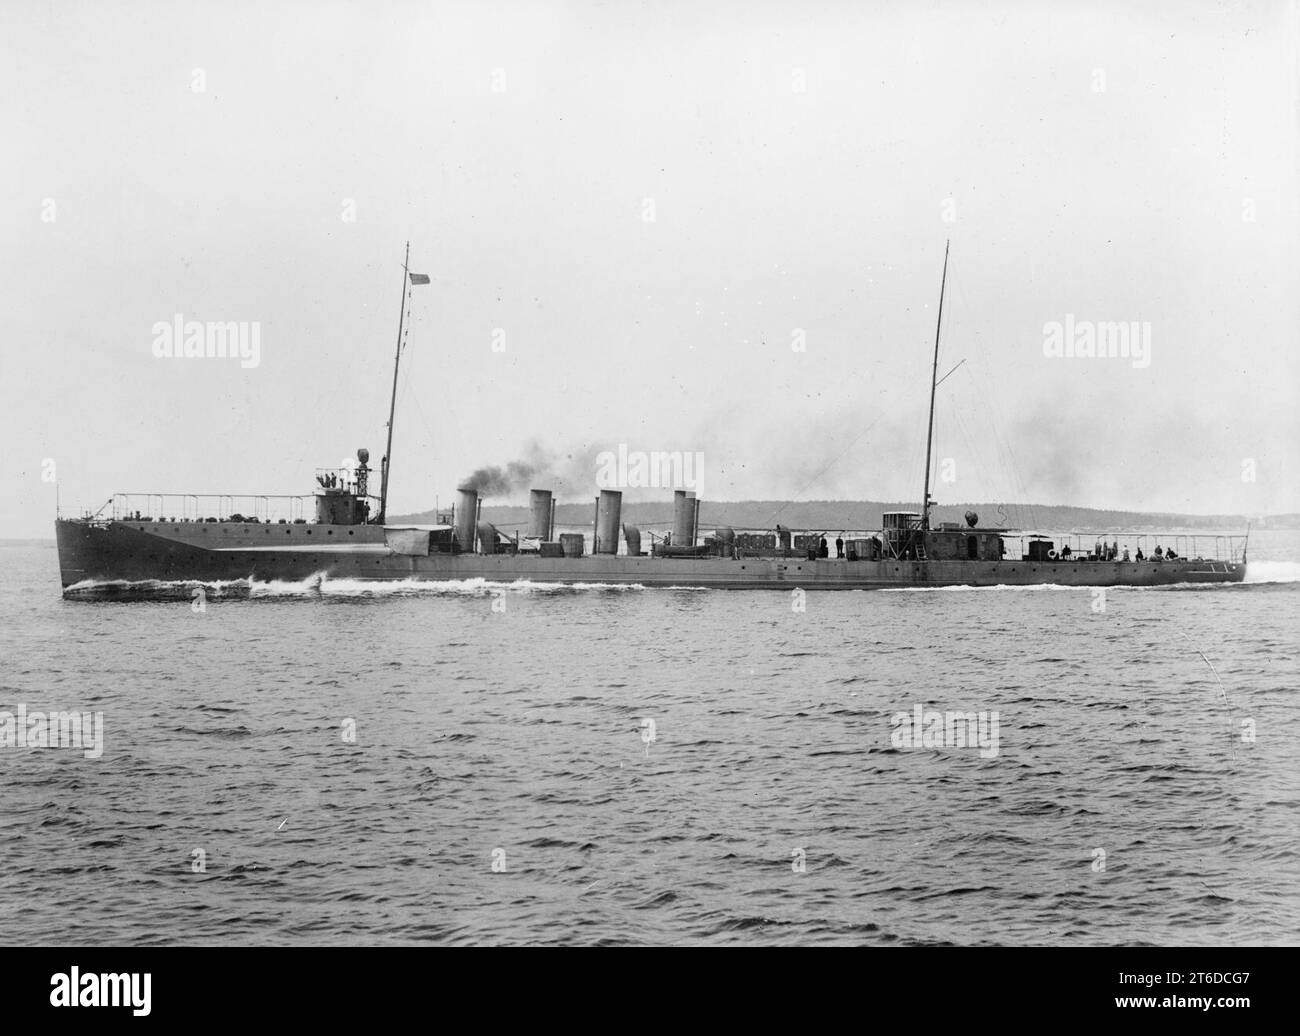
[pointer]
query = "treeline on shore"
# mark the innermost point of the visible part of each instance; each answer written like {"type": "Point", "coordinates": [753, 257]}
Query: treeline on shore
{"type": "Point", "coordinates": [865, 514]}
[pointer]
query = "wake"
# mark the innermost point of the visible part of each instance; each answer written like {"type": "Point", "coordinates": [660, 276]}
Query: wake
{"type": "Point", "coordinates": [1272, 572]}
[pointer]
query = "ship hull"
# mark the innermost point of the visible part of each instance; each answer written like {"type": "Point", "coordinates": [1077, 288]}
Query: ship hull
{"type": "Point", "coordinates": [130, 552]}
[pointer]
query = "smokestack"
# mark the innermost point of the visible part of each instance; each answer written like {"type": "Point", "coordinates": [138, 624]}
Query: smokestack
{"type": "Point", "coordinates": [466, 515]}
{"type": "Point", "coordinates": [609, 508]}
{"type": "Point", "coordinates": [539, 513]}
{"type": "Point", "coordinates": [686, 519]}
{"type": "Point", "coordinates": [683, 519]}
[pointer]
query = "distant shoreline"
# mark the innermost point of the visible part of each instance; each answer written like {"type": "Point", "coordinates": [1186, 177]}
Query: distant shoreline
{"type": "Point", "coordinates": [865, 514]}
{"type": "Point", "coordinates": [861, 515]}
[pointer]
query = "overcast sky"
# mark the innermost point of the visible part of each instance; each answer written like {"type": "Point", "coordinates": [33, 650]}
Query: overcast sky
{"type": "Point", "coordinates": [646, 207]}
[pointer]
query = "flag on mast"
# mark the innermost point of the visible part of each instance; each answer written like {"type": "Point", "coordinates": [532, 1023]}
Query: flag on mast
{"type": "Point", "coordinates": [419, 278]}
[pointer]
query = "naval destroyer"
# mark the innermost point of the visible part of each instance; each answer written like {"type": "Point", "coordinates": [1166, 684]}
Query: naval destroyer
{"type": "Point", "coordinates": [340, 531]}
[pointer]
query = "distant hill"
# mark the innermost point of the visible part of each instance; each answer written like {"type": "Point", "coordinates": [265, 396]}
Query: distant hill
{"type": "Point", "coordinates": [824, 515]}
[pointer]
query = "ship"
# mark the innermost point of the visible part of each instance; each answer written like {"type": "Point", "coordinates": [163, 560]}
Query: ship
{"type": "Point", "coordinates": [340, 531]}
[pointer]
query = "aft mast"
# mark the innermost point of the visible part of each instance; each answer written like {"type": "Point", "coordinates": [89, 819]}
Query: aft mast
{"type": "Point", "coordinates": [934, 374]}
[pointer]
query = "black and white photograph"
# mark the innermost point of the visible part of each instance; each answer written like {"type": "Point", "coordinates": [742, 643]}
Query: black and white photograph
{"type": "Point", "coordinates": [602, 474]}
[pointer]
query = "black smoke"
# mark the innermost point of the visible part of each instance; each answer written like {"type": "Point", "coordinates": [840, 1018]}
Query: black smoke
{"type": "Point", "coordinates": [496, 481]}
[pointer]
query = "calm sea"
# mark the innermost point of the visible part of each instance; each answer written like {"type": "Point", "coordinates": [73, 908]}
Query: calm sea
{"type": "Point", "coordinates": [594, 766]}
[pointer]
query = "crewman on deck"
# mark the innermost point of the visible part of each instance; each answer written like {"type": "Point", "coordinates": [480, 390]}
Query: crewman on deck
{"type": "Point", "coordinates": [839, 545]}
{"type": "Point", "coordinates": [823, 550]}
{"type": "Point", "coordinates": [1065, 552]}
{"type": "Point", "coordinates": [1160, 554]}
{"type": "Point", "coordinates": [1138, 556]}
{"type": "Point", "coordinates": [1125, 553]}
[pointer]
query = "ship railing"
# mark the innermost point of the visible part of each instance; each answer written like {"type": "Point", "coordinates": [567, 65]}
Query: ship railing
{"type": "Point", "coordinates": [1224, 547]}
{"type": "Point", "coordinates": [342, 478]}
{"type": "Point", "coordinates": [266, 508]}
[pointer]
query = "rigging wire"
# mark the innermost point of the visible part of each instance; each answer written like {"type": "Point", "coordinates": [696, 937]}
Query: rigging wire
{"type": "Point", "coordinates": [1004, 456]}
{"type": "Point", "coordinates": [834, 460]}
